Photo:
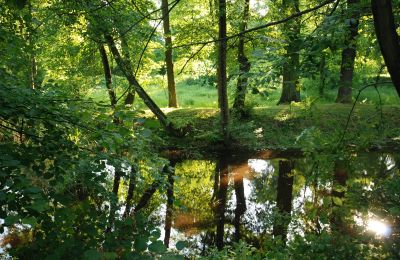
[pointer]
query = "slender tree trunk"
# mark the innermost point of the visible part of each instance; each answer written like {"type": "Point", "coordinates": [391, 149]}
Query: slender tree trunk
{"type": "Point", "coordinates": [240, 203]}
{"type": "Point", "coordinates": [388, 38]}
{"type": "Point", "coordinates": [222, 80]}
{"type": "Point", "coordinates": [170, 205]}
{"type": "Point", "coordinates": [145, 198]}
{"type": "Point", "coordinates": [290, 84]}
{"type": "Point", "coordinates": [322, 75]}
{"type": "Point", "coordinates": [172, 102]}
{"type": "Point", "coordinates": [244, 64]}
{"type": "Point", "coordinates": [126, 68]}
{"type": "Point", "coordinates": [31, 45]}
{"type": "Point", "coordinates": [349, 54]}
{"type": "Point", "coordinates": [222, 170]}
{"type": "Point", "coordinates": [107, 75]}
{"type": "Point", "coordinates": [284, 199]}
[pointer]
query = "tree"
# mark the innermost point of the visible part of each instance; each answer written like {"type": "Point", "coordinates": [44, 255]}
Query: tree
{"type": "Point", "coordinates": [172, 102]}
{"type": "Point", "coordinates": [388, 38]}
{"type": "Point", "coordinates": [291, 31]}
{"type": "Point", "coordinates": [244, 64]}
{"type": "Point", "coordinates": [349, 53]}
{"type": "Point", "coordinates": [222, 80]}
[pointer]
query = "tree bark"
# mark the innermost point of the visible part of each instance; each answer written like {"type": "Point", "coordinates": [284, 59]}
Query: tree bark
{"type": "Point", "coordinates": [130, 97]}
{"type": "Point", "coordinates": [113, 204]}
{"type": "Point", "coordinates": [170, 205]}
{"type": "Point", "coordinates": [129, 195]}
{"type": "Point", "coordinates": [244, 64]}
{"type": "Point", "coordinates": [291, 29]}
{"type": "Point", "coordinates": [126, 68]}
{"type": "Point", "coordinates": [107, 75]}
{"type": "Point", "coordinates": [222, 80]}
{"type": "Point", "coordinates": [322, 75]}
{"type": "Point", "coordinates": [349, 54]}
{"type": "Point", "coordinates": [388, 38]}
{"type": "Point", "coordinates": [284, 199]}
{"type": "Point", "coordinates": [172, 101]}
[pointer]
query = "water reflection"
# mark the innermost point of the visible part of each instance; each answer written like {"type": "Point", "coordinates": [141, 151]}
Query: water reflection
{"type": "Point", "coordinates": [215, 203]}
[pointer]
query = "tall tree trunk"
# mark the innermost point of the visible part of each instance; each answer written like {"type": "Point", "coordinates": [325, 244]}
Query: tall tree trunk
{"type": "Point", "coordinates": [31, 45]}
{"type": "Point", "coordinates": [172, 102]}
{"type": "Point", "coordinates": [349, 53]}
{"type": "Point", "coordinates": [126, 68]}
{"type": "Point", "coordinates": [222, 171]}
{"type": "Point", "coordinates": [170, 205]}
{"type": "Point", "coordinates": [222, 80]}
{"type": "Point", "coordinates": [107, 75]}
{"type": "Point", "coordinates": [284, 199]}
{"type": "Point", "coordinates": [244, 64]}
{"type": "Point", "coordinates": [388, 38]}
{"type": "Point", "coordinates": [291, 29]}
{"type": "Point", "coordinates": [130, 96]}
{"type": "Point", "coordinates": [240, 203]}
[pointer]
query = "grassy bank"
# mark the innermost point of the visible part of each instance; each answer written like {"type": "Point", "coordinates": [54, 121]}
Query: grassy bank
{"type": "Point", "coordinates": [290, 127]}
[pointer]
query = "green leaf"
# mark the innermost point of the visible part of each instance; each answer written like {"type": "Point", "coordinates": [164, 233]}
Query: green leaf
{"type": "Point", "coordinates": [110, 255]}
{"type": "Point", "coordinates": [181, 245]}
{"type": "Point", "coordinates": [337, 201]}
{"type": "Point", "coordinates": [172, 257]}
{"type": "Point", "coordinates": [29, 221]}
{"type": "Point", "coordinates": [10, 220]}
{"type": "Point", "coordinates": [91, 255]}
{"type": "Point", "coordinates": [140, 244]}
{"type": "Point", "coordinates": [157, 247]}
{"type": "Point", "coordinates": [39, 205]}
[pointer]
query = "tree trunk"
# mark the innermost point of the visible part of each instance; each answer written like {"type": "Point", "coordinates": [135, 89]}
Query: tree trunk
{"type": "Point", "coordinates": [170, 205]}
{"type": "Point", "coordinates": [126, 68]}
{"type": "Point", "coordinates": [222, 80]}
{"type": "Point", "coordinates": [291, 29]}
{"type": "Point", "coordinates": [240, 203]}
{"type": "Point", "coordinates": [222, 171]}
{"type": "Point", "coordinates": [388, 38]}
{"type": "Point", "coordinates": [130, 97]}
{"type": "Point", "coordinates": [349, 54]}
{"type": "Point", "coordinates": [172, 102]}
{"type": "Point", "coordinates": [113, 204]}
{"type": "Point", "coordinates": [107, 75]}
{"type": "Point", "coordinates": [284, 199]}
{"type": "Point", "coordinates": [322, 75]}
{"type": "Point", "coordinates": [244, 64]}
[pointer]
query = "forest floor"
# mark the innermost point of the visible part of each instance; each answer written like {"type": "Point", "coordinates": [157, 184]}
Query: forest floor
{"type": "Point", "coordinates": [289, 127]}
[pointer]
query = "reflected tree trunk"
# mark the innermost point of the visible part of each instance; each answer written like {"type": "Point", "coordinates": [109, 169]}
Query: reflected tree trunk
{"type": "Point", "coordinates": [349, 53]}
{"type": "Point", "coordinates": [114, 200]}
{"type": "Point", "coordinates": [222, 171]}
{"type": "Point", "coordinates": [284, 199]}
{"type": "Point", "coordinates": [170, 204]}
{"type": "Point", "coordinates": [240, 203]}
{"type": "Point", "coordinates": [338, 192]}
{"type": "Point", "coordinates": [129, 195]}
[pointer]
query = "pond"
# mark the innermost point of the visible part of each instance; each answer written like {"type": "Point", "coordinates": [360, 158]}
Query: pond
{"type": "Point", "coordinates": [253, 198]}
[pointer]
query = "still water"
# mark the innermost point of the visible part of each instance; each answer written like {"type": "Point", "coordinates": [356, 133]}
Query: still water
{"type": "Point", "coordinates": [252, 198]}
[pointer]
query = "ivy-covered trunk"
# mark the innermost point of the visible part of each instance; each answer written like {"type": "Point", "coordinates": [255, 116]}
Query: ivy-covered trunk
{"type": "Point", "coordinates": [244, 64]}
{"type": "Point", "coordinates": [349, 53]}
{"type": "Point", "coordinates": [291, 30]}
